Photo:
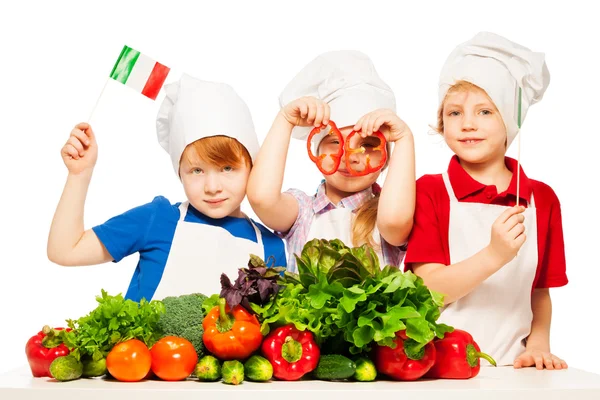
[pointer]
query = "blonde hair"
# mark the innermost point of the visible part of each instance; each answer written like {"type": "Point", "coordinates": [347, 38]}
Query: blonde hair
{"type": "Point", "coordinates": [221, 151]}
{"type": "Point", "coordinates": [459, 86]}
{"type": "Point", "coordinates": [365, 221]}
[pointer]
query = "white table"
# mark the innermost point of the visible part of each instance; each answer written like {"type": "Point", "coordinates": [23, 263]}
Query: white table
{"type": "Point", "coordinates": [503, 383]}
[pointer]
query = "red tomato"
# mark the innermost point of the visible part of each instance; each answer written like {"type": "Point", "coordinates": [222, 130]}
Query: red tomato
{"type": "Point", "coordinates": [173, 358]}
{"type": "Point", "coordinates": [129, 361]}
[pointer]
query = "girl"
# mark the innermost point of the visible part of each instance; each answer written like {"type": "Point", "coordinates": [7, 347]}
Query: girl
{"type": "Point", "coordinates": [494, 260]}
{"type": "Point", "coordinates": [342, 87]}
{"type": "Point", "coordinates": [183, 247]}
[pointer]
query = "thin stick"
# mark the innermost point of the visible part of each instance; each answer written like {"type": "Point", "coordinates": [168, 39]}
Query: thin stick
{"type": "Point", "coordinates": [519, 156]}
{"type": "Point", "coordinates": [518, 168]}
{"type": "Point", "coordinates": [519, 149]}
{"type": "Point", "coordinates": [97, 101]}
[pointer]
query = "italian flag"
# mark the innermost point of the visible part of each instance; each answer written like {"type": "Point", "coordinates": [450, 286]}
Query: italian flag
{"type": "Point", "coordinates": [139, 72]}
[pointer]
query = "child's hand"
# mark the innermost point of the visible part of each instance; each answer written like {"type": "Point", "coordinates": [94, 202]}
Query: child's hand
{"type": "Point", "coordinates": [385, 121]}
{"type": "Point", "coordinates": [541, 360]}
{"type": "Point", "coordinates": [306, 111]}
{"type": "Point", "coordinates": [81, 150]}
{"type": "Point", "coordinates": [508, 234]}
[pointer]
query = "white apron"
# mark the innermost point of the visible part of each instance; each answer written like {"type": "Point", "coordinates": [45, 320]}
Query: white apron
{"type": "Point", "coordinates": [498, 312]}
{"type": "Point", "coordinates": [200, 254]}
{"type": "Point", "coordinates": [337, 224]}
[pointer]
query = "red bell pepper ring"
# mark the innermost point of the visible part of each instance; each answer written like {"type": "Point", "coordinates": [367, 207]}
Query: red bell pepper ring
{"type": "Point", "coordinates": [292, 353]}
{"type": "Point", "coordinates": [369, 169]}
{"type": "Point", "coordinates": [43, 348]}
{"type": "Point", "coordinates": [457, 357]}
{"type": "Point", "coordinates": [318, 160]}
{"type": "Point", "coordinates": [395, 363]}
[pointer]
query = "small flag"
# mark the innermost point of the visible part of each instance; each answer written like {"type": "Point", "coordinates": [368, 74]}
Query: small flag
{"type": "Point", "coordinates": [139, 72]}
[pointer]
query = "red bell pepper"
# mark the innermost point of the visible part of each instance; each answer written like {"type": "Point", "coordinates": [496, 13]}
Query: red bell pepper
{"type": "Point", "coordinates": [457, 357]}
{"type": "Point", "coordinates": [292, 353]}
{"type": "Point", "coordinates": [43, 348]}
{"type": "Point", "coordinates": [368, 167]}
{"type": "Point", "coordinates": [231, 335]}
{"type": "Point", "coordinates": [398, 365]}
{"type": "Point", "coordinates": [318, 160]}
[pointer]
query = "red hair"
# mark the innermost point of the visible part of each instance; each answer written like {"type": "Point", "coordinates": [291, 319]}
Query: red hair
{"type": "Point", "coordinates": [221, 151]}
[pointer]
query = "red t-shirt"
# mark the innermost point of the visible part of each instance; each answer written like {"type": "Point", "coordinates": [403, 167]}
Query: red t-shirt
{"type": "Point", "coordinates": [428, 241]}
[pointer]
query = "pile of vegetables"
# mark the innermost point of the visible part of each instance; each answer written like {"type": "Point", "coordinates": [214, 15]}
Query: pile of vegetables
{"type": "Point", "coordinates": [183, 317]}
{"type": "Point", "coordinates": [341, 317]}
{"type": "Point", "coordinates": [341, 293]}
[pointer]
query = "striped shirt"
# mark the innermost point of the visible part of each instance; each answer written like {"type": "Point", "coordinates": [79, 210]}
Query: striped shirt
{"type": "Point", "coordinates": [319, 203]}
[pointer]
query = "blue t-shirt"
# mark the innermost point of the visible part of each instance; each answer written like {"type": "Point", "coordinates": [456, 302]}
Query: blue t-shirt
{"type": "Point", "coordinates": [149, 230]}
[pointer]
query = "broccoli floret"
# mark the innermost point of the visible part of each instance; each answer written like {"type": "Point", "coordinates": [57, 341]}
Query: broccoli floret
{"type": "Point", "coordinates": [183, 317]}
{"type": "Point", "coordinates": [194, 335]}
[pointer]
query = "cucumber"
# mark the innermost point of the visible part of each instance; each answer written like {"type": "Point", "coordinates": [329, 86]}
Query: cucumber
{"type": "Point", "coordinates": [258, 369]}
{"type": "Point", "coordinates": [334, 367]}
{"type": "Point", "coordinates": [233, 372]}
{"type": "Point", "coordinates": [365, 370]}
{"type": "Point", "coordinates": [93, 368]}
{"type": "Point", "coordinates": [208, 369]}
{"type": "Point", "coordinates": [66, 368]}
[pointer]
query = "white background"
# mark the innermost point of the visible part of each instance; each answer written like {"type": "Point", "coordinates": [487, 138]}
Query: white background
{"type": "Point", "coordinates": [56, 57]}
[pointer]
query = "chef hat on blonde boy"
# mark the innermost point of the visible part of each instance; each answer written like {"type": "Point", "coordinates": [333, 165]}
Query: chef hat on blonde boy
{"type": "Point", "coordinates": [513, 76]}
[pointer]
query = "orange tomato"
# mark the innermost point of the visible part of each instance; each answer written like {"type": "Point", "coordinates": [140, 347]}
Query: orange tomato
{"type": "Point", "coordinates": [173, 358]}
{"type": "Point", "coordinates": [129, 361]}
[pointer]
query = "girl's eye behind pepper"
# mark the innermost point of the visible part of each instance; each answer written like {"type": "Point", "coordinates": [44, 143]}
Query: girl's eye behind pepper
{"type": "Point", "coordinates": [329, 156]}
{"type": "Point", "coordinates": [371, 151]}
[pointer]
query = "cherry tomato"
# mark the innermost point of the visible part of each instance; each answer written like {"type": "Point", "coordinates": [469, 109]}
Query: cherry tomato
{"type": "Point", "coordinates": [173, 358]}
{"type": "Point", "coordinates": [129, 361]}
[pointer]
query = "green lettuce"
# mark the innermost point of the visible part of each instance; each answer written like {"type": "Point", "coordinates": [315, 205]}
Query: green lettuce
{"type": "Point", "coordinates": [341, 292]}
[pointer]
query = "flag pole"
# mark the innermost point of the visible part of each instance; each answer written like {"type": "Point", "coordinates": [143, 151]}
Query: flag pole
{"type": "Point", "coordinates": [97, 101]}
{"type": "Point", "coordinates": [519, 149]}
{"type": "Point", "coordinates": [111, 76]}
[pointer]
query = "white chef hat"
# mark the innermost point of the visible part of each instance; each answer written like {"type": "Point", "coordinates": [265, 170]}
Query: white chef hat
{"type": "Point", "coordinates": [347, 81]}
{"type": "Point", "coordinates": [512, 75]}
{"type": "Point", "coordinates": [194, 109]}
